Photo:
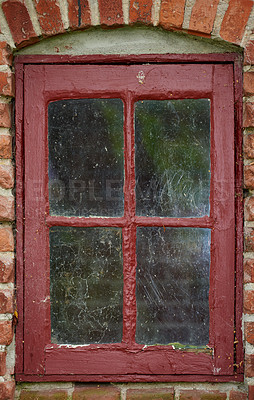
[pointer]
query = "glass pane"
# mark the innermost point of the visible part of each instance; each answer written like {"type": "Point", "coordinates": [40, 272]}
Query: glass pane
{"type": "Point", "coordinates": [172, 157]}
{"type": "Point", "coordinates": [86, 170]}
{"type": "Point", "coordinates": [86, 285]}
{"type": "Point", "coordinates": [173, 286]}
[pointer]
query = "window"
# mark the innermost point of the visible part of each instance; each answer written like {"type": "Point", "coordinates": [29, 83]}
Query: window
{"type": "Point", "coordinates": [129, 222]}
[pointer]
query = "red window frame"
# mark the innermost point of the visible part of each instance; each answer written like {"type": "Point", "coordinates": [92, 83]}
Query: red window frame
{"type": "Point", "coordinates": [43, 79]}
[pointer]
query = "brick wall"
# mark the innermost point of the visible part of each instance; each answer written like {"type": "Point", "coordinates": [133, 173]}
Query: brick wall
{"type": "Point", "coordinates": [128, 392]}
{"type": "Point", "coordinates": [27, 21]}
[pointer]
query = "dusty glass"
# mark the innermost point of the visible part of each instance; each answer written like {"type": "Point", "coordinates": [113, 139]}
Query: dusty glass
{"type": "Point", "coordinates": [86, 168]}
{"type": "Point", "coordinates": [173, 285]}
{"type": "Point", "coordinates": [86, 285]}
{"type": "Point", "coordinates": [172, 139]}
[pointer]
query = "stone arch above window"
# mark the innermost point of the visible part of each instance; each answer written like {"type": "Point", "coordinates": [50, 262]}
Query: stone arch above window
{"type": "Point", "coordinates": [127, 40]}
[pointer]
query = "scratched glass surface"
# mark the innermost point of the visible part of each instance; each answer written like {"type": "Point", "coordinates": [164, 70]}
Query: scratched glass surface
{"type": "Point", "coordinates": [173, 286]}
{"type": "Point", "coordinates": [86, 285]}
{"type": "Point", "coordinates": [172, 139]}
{"type": "Point", "coordinates": [86, 170]}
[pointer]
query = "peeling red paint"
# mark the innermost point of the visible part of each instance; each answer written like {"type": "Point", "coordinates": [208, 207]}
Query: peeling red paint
{"type": "Point", "coordinates": [113, 361]}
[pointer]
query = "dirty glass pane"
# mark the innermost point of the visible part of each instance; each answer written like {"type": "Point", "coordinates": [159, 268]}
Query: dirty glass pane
{"type": "Point", "coordinates": [85, 138]}
{"type": "Point", "coordinates": [173, 285]}
{"type": "Point", "coordinates": [172, 139]}
{"type": "Point", "coordinates": [86, 285]}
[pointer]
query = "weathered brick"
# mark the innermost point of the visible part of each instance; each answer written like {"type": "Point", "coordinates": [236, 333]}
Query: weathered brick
{"type": "Point", "coordinates": [5, 54]}
{"type": "Point", "coordinates": [248, 83]}
{"type": "Point", "coordinates": [6, 84]}
{"type": "Point", "coordinates": [248, 268]}
{"type": "Point", "coordinates": [202, 395]}
{"type": "Point", "coordinates": [237, 395]}
{"type": "Point", "coordinates": [79, 13]}
{"type": "Point", "coordinates": [6, 176]}
{"type": "Point", "coordinates": [248, 115]}
{"type": "Point", "coordinates": [150, 394]}
{"type": "Point", "coordinates": [6, 268]}
{"type": "Point", "coordinates": [203, 15]}
{"type": "Point", "coordinates": [249, 53]}
{"type": "Point", "coordinates": [249, 332]}
{"type": "Point", "coordinates": [7, 390]}
{"type": "Point", "coordinates": [6, 208]}
{"type": "Point", "coordinates": [172, 13]}
{"type": "Point", "coordinates": [248, 301]}
{"type": "Point", "coordinates": [3, 363]}
{"type": "Point", "coordinates": [6, 239]}
{"type": "Point", "coordinates": [96, 392]}
{"type": "Point", "coordinates": [140, 11]}
{"type": "Point", "coordinates": [19, 22]}
{"type": "Point", "coordinates": [248, 147]}
{"type": "Point", "coordinates": [235, 20]}
{"type": "Point", "coordinates": [6, 333]}
{"type": "Point", "coordinates": [251, 392]}
{"type": "Point", "coordinates": [249, 176]}
{"type": "Point", "coordinates": [111, 12]}
{"type": "Point", "coordinates": [52, 394]}
{"type": "Point", "coordinates": [5, 115]}
{"type": "Point", "coordinates": [49, 17]}
{"type": "Point", "coordinates": [249, 365]}
{"type": "Point", "coordinates": [6, 301]}
{"type": "Point", "coordinates": [249, 208]}
{"type": "Point", "coordinates": [5, 146]}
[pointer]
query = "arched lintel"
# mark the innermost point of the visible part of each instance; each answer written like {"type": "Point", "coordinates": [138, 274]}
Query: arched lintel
{"type": "Point", "coordinates": [128, 40]}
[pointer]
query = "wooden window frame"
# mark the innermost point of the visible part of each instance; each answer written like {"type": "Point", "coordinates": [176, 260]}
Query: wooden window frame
{"type": "Point", "coordinates": [37, 359]}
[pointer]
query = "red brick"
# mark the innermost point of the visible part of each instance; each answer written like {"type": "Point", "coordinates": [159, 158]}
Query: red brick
{"type": "Point", "coordinates": [140, 11]}
{"type": "Point", "coordinates": [49, 17]}
{"type": "Point", "coordinates": [235, 20]}
{"type": "Point", "coordinates": [251, 392]}
{"type": "Point", "coordinates": [5, 146]}
{"type": "Point", "coordinates": [248, 115]}
{"type": "Point", "coordinates": [249, 209]}
{"type": "Point", "coordinates": [3, 363]}
{"type": "Point", "coordinates": [43, 395]}
{"type": "Point", "coordinates": [6, 268]}
{"type": "Point", "coordinates": [6, 176]}
{"type": "Point", "coordinates": [249, 365]}
{"type": "Point", "coordinates": [79, 13]}
{"type": "Point", "coordinates": [150, 394]}
{"type": "Point", "coordinates": [7, 390]}
{"type": "Point", "coordinates": [248, 83]}
{"type": "Point", "coordinates": [6, 301]}
{"type": "Point", "coordinates": [5, 115]}
{"type": "Point", "coordinates": [249, 53]}
{"type": "Point", "coordinates": [6, 239]}
{"type": "Point", "coordinates": [248, 301]}
{"type": "Point", "coordinates": [248, 147]}
{"type": "Point", "coordinates": [111, 12]}
{"type": "Point", "coordinates": [249, 332]}
{"type": "Point", "coordinates": [172, 13]}
{"type": "Point", "coordinates": [19, 22]}
{"type": "Point", "coordinates": [236, 395]}
{"type": "Point", "coordinates": [6, 84]}
{"type": "Point", "coordinates": [6, 208]}
{"type": "Point", "coordinates": [202, 395]}
{"type": "Point", "coordinates": [203, 15]}
{"type": "Point", "coordinates": [96, 392]}
{"type": "Point", "coordinates": [249, 176]}
{"type": "Point", "coordinates": [5, 54]}
{"type": "Point", "coordinates": [248, 268]}
{"type": "Point", "coordinates": [6, 332]}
